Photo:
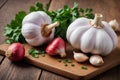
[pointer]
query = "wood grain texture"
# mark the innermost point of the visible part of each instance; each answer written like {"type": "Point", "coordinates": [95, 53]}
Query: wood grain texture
{"type": "Point", "coordinates": [118, 72]}
{"type": "Point", "coordinates": [1, 58]}
{"type": "Point", "coordinates": [8, 70]}
{"type": "Point", "coordinates": [110, 9]}
{"type": "Point", "coordinates": [112, 74]}
{"type": "Point", "coordinates": [8, 11]}
{"type": "Point", "coordinates": [2, 2]}
{"type": "Point", "coordinates": [51, 64]}
{"type": "Point", "coordinates": [50, 76]}
{"type": "Point", "coordinates": [18, 71]}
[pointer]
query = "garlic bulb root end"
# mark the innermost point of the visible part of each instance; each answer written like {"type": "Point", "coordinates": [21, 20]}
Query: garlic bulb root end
{"type": "Point", "coordinates": [8, 53]}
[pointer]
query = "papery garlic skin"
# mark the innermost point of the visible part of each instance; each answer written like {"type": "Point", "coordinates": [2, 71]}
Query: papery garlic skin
{"type": "Point", "coordinates": [80, 57]}
{"type": "Point", "coordinates": [32, 25]}
{"type": "Point", "coordinates": [96, 60]}
{"type": "Point", "coordinates": [98, 38]}
{"type": "Point", "coordinates": [114, 24]}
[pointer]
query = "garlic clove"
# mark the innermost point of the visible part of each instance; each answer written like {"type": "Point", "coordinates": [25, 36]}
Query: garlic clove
{"type": "Point", "coordinates": [96, 60]}
{"type": "Point", "coordinates": [80, 57]}
{"type": "Point", "coordinates": [114, 24]}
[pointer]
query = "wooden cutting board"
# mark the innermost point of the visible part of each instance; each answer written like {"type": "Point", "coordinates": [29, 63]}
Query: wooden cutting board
{"type": "Point", "coordinates": [50, 63]}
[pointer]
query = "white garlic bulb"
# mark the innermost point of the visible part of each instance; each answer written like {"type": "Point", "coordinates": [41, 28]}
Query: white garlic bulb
{"type": "Point", "coordinates": [80, 57]}
{"type": "Point", "coordinates": [114, 24]}
{"type": "Point", "coordinates": [96, 60]}
{"type": "Point", "coordinates": [92, 36]}
{"type": "Point", "coordinates": [37, 28]}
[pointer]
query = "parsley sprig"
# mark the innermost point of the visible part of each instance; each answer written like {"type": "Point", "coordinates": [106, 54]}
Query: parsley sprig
{"type": "Point", "coordinates": [35, 53]}
{"type": "Point", "coordinates": [65, 16]}
{"type": "Point", "coordinates": [13, 30]}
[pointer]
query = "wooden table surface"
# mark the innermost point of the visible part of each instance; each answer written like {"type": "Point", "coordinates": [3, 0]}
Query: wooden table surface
{"type": "Point", "coordinates": [24, 71]}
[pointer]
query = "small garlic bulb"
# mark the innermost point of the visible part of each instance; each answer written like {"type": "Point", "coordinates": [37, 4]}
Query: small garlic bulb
{"type": "Point", "coordinates": [80, 57]}
{"type": "Point", "coordinates": [96, 60]}
{"type": "Point", "coordinates": [114, 24]}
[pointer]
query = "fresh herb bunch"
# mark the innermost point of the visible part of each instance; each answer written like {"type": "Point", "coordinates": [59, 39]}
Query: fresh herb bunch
{"type": "Point", "coordinates": [13, 30]}
{"type": "Point", "coordinates": [65, 16]}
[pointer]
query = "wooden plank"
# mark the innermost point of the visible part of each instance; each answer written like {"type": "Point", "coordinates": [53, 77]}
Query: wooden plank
{"type": "Point", "coordinates": [67, 2]}
{"type": "Point", "coordinates": [76, 72]}
{"type": "Point", "coordinates": [1, 58]}
{"type": "Point", "coordinates": [109, 75]}
{"type": "Point", "coordinates": [50, 76]}
{"type": "Point", "coordinates": [110, 9]}
{"type": "Point", "coordinates": [18, 71]}
{"type": "Point", "coordinates": [2, 2]}
{"type": "Point", "coordinates": [8, 70]}
{"type": "Point", "coordinates": [119, 72]}
{"type": "Point", "coordinates": [8, 11]}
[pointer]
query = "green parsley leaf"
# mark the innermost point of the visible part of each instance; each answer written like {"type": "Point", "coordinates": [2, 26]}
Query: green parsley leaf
{"type": "Point", "coordinates": [59, 60]}
{"type": "Point", "coordinates": [65, 16]}
{"type": "Point", "coordinates": [65, 64]}
{"type": "Point", "coordinates": [32, 8]}
{"type": "Point", "coordinates": [72, 65]}
{"type": "Point", "coordinates": [67, 61]}
{"type": "Point", "coordinates": [39, 6]}
{"type": "Point", "coordinates": [84, 67]}
{"type": "Point", "coordinates": [35, 53]}
{"type": "Point", "coordinates": [13, 30]}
